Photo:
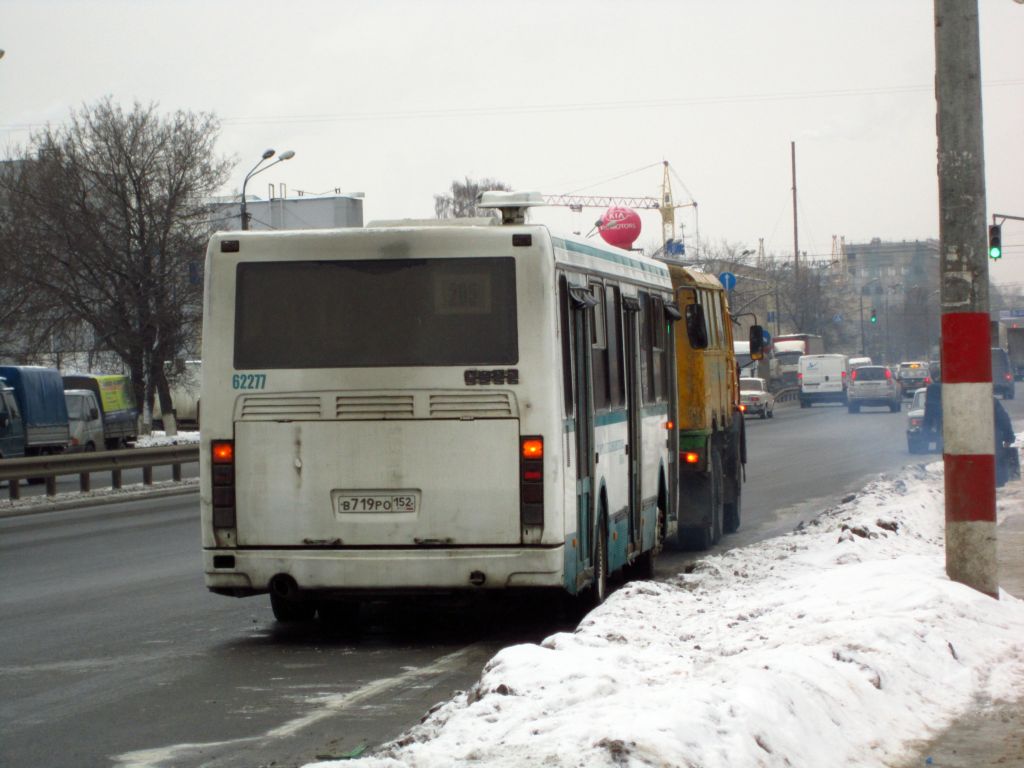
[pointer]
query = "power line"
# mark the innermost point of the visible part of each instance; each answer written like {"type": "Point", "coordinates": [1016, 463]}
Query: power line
{"type": "Point", "coordinates": [527, 109]}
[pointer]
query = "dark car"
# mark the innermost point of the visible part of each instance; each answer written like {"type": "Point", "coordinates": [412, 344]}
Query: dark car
{"type": "Point", "coordinates": [1002, 374]}
{"type": "Point", "coordinates": [912, 376]}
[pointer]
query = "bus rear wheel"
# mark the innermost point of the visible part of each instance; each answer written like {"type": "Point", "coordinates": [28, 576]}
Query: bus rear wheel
{"type": "Point", "coordinates": [599, 586]}
{"type": "Point", "coordinates": [643, 566]}
{"type": "Point", "coordinates": [288, 611]}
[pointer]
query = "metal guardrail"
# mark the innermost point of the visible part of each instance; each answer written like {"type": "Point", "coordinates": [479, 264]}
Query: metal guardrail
{"type": "Point", "coordinates": [787, 395]}
{"type": "Point", "coordinates": [49, 468]}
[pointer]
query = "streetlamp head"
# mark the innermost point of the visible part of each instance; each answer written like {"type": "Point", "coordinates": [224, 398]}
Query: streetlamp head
{"type": "Point", "coordinates": [286, 155]}
{"type": "Point", "coordinates": [267, 154]}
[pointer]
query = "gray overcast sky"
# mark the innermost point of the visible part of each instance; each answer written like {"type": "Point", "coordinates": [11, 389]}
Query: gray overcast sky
{"type": "Point", "coordinates": [396, 99]}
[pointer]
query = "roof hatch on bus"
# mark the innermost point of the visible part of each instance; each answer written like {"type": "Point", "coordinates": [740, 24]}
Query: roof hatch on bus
{"type": "Point", "coordinates": [513, 205]}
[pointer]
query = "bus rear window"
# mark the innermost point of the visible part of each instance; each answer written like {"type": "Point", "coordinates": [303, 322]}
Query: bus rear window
{"type": "Point", "coordinates": [374, 313]}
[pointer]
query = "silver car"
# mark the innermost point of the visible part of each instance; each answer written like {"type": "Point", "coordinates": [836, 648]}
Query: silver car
{"type": "Point", "coordinates": [755, 397]}
{"type": "Point", "coordinates": [873, 385]}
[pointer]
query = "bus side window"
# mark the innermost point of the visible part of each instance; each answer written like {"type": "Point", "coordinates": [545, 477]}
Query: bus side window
{"type": "Point", "coordinates": [659, 368]}
{"type": "Point", "coordinates": [563, 319]}
{"type": "Point", "coordinates": [599, 348]}
{"type": "Point", "coordinates": [613, 312]}
{"type": "Point", "coordinates": [647, 372]}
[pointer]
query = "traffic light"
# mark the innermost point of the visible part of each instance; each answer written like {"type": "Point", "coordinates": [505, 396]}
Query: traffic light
{"type": "Point", "coordinates": [995, 241]}
{"type": "Point", "coordinates": [874, 317]}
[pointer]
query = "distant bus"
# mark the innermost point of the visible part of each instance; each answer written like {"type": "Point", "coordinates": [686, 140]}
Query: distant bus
{"type": "Point", "coordinates": [398, 410]}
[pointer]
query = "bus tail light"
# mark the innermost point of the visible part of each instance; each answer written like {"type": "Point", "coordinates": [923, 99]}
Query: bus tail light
{"type": "Point", "coordinates": [690, 457]}
{"type": "Point", "coordinates": [531, 481]}
{"type": "Point", "coordinates": [222, 454]}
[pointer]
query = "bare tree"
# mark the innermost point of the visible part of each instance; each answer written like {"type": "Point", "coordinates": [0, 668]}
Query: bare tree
{"type": "Point", "coordinates": [106, 220]}
{"type": "Point", "coordinates": [461, 198]}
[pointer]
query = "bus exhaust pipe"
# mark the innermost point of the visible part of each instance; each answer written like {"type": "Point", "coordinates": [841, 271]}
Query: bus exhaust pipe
{"type": "Point", "coordinates": [284, 586]}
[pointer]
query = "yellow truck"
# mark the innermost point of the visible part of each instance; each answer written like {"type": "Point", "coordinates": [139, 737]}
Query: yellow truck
{"type": "Point", "coordinates": [709, 430]}
{"type": "Point", "coordinates": [116, 399]}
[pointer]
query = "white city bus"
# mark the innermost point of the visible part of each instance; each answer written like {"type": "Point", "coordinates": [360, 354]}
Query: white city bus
{"type": "Point", "coordinates": [401, 409]}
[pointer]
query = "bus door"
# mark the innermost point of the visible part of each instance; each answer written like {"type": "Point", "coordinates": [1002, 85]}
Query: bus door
{"type": "Point", "coordinates": [582, 302]}
{"type": "Point", "coordinates": [632, 328]}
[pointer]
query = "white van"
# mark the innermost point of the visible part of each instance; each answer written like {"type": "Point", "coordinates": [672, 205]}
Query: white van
{"type": "Point", "coordinates": [84, 420]}
{"type": "Point", "coordinates": [822, 379]}
{"type": "Point", "coordinates": [857, 362]}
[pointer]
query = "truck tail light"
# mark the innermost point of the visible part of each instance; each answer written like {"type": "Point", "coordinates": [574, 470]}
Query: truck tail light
{"type": "Point", "coordinates": [222, 455]}
{"type": "Point", "coordinates": [531, 481]}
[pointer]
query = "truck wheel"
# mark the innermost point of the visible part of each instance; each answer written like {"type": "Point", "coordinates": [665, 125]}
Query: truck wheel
{"type": "Point", "coordinates": [706, 494]}
{"type": "Point", "coordinates": [731, 509]}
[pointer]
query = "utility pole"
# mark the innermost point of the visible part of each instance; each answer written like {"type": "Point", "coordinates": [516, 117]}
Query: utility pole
{"type": "Point", "coordinates": [967, 409]}
{"type": "Point", "coordinates": [796, 246]}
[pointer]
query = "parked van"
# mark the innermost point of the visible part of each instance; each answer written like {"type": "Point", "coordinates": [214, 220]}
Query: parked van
{"type": "Point", "coordinates": [85, 420]}
{"type": "Point", "coordinates": [822, 379]}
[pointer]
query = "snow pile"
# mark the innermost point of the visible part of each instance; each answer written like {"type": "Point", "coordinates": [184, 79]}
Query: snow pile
{"type": "Point", "coordinates": [160, 438]}
{"type": "Point", "coordinates": [838, 644]}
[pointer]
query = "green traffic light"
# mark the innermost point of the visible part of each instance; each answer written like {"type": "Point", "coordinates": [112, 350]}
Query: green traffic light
{"type": "Point", "coordinates": [995, 241]}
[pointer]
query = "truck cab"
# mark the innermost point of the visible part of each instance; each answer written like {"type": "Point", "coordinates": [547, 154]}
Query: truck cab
{"type": "Point", "coordinates": [12, 428]}
{"type": "Point", "coordinates": [84, 420]}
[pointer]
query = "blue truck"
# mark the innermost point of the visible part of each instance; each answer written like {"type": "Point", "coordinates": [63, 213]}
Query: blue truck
{"type": "Point", "coordinates": [34, 415]}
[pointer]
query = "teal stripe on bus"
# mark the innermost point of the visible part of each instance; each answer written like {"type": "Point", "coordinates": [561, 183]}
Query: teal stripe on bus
{"type": "Point", "coordinates": [607, 418]}
{"type": "Point", "coordinates": [622, 260]}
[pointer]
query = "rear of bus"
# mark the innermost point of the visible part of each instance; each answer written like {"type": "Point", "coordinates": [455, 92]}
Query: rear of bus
{"type": "Point", "coordinates": [380, 412]}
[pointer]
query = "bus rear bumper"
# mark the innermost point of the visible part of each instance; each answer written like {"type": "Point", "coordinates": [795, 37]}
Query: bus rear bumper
{"type": "Point", "coordinates": [241, 572]}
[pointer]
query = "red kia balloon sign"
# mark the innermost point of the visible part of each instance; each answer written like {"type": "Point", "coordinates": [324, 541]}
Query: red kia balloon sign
{"type": "Point", "coordinates": [620, 227]}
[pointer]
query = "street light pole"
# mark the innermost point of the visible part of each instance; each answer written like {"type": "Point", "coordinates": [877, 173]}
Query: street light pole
{"type": "Point", "coordinates": [267, 154]}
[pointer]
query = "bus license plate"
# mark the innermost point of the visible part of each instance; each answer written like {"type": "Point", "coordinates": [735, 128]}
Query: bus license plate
{"type": "Point", "coordinates": [377, 501]}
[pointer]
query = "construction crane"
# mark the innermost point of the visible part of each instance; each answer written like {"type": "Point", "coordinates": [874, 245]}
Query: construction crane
{"type": "Point", "coordinates": [664, 204]}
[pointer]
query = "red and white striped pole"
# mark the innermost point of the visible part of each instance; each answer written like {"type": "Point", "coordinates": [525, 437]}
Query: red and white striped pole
{"type": "Point", "coordinates": [968, 456]}
{"type": "Point", "coordinates": [967, 410]}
